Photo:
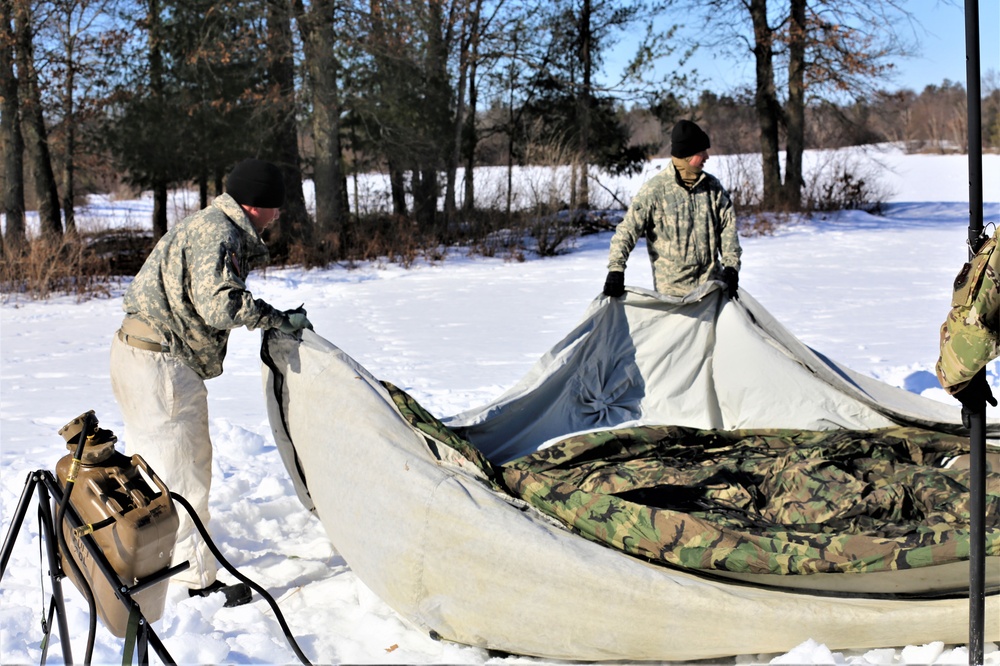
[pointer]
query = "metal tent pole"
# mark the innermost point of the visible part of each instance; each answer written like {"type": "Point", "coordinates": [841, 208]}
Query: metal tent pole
{"type": "Point", "coordinates": [977, 430]}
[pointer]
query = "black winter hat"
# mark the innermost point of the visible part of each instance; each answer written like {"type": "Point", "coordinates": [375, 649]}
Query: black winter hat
{"type": "Point", "coordinates": [688, 139]}
{"type": "Point", "coordinates": [257, 183]}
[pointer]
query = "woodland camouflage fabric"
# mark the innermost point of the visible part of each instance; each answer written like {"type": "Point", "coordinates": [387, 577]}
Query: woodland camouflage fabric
{"type": "Point", "coordinates": [969, 336]}
{"type": "Point", "coordinates": [421, 419]}
{"type": "Point", "coordinates": [192, 288]}
{"type": "Point", "coordinates": [686, 232]}
{"type": "Point", "coordinates": [752, 501]}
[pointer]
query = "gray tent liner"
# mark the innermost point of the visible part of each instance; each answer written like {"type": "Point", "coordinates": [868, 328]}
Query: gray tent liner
{"type": "Point", "coordinates": [703, 361]}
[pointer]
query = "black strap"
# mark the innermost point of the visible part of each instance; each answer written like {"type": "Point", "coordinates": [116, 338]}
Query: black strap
{"type": "Point", "coordinates": [278, 388]}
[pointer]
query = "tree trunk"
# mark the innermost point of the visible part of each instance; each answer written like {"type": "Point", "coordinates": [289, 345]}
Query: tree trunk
{"type": "Point", "coordinates": [425, 194]}
{"type": "Point", "coordinates": [159, 210]}
{"type": "Point", "coordinates": [574, 190]}
{"type": "Point", "coordinates": [203, 190]}
{"type": "Point", "coordinates": [510, 135]}
{"type": "Point", "coordinates": [33, 120]}
{"type": "Point", "coordinates": [766, 103]}
{"type": "Point", "coordinates": [796, 107]}
{"type": "Point", "coordinates": [397, 185]}
{"type": "Point", "coordinates": [455, 154]}
{"type": "Point", "coordinates": [322, 67]}
{"type": "Point", "coordinates": [469, 138]}
{"type": "Point", "coordinates": [435, 151]}
{"type": "Point", "coordinates": [11, 141]}
{"type": "Point", "coordinates": [156, 90]}
{"type": "Point", "coordinates": [583, 201]}
{"type": "Point", "coordinates": [294, 225]}
{"type": "Point", "coordinates": [69, 164]}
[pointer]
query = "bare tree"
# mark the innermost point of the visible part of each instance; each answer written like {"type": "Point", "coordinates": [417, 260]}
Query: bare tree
{"type": "Point", "coordinates": [580, 34]}
{"type": "Point", "coordinates": [154, 39]}
{"type": "Point", "coordinates": [407, 110]}
{"type": "Point", "coordinates": [294, 225]}
{"type": "Point", "coordinates": [75, 32]}
{"type": "Point", "coordinates": [11, 140]}
{"type": "Point", "coordinates": [991, 108]}
{"type": "Point", "coordinates": [468, 26]}
{"type": "Point", "coordinates": [939, 116]}
{"type": "Point", "coordinates": [317, 27]}
{"type": "Point", "coordinates": [33, 121]}
{"type": "Point", "coordinates": [802, 50]}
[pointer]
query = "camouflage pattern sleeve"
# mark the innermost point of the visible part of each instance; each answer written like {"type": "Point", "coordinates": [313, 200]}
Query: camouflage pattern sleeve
{"type": "Point", "coordinates": [969, 335]}
{"type": "Point", "coordinates": [627, 233]}
{"type": "Point", "coordinates": [219, 289]}
{"type": "Point", "coordinates": [729, 240]}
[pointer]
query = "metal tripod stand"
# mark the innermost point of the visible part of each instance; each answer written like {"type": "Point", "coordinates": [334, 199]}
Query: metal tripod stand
{"type": "Point", "coordinates": [44, 484]}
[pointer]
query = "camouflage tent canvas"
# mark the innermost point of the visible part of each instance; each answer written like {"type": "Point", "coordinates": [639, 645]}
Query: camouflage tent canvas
{"type": "Point", "coordinates": [495, 529]}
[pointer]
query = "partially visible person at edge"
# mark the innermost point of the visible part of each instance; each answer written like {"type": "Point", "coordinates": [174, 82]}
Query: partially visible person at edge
{"type": "Point", "coordinates": [688, 221]}
{"type": "Point", "coordinates": [187, 297]}
{"type": "Point", "coordinates": [970, 336]}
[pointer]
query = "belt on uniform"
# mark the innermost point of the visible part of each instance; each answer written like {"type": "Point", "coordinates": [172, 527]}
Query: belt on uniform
{"type": "Point", "coordinates": [133, 341]}
{"type": "Point", "coordinates": [136, 334]}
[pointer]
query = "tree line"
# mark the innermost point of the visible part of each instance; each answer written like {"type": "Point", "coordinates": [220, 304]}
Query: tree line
{"type": "Point", "coordinates": [163, 93]}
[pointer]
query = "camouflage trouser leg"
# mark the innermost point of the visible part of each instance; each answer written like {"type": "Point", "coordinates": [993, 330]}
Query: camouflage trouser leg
{"type": "Point", "coordinates": [164, 406]}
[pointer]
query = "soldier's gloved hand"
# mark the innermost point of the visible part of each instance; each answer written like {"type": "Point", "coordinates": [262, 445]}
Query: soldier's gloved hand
{"type": "Point", "coordinates": [974, 397]}
{"type": "Point", "coordinates": [732, 279]}
{"type": "Point", "coordinates": [614, 285]}
{"type": "Point", "coordinates": [294, 321]}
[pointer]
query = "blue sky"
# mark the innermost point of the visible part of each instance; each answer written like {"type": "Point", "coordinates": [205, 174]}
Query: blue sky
{"type": "Point", "coordinates": [943, 48]}
{"type": "Point", "coordinates": [940, 33]}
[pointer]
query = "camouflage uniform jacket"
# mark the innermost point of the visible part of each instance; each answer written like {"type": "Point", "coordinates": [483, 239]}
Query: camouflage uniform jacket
{"type": "Point", "coordinates": [192, 289]}
{"type": "Point", "coordinates": [969, 336]}
{"type": "Point", "coordinates": [686, 231]}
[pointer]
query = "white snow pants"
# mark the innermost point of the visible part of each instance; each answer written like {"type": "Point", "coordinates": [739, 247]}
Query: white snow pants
{"type": "Point", "coordinates": [164, 404]}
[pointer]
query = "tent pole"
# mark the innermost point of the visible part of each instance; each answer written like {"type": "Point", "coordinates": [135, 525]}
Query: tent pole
{"type": "Point", "coordinates": [975, 125]}
{"type": "Point", "coordinates": [977, 430]}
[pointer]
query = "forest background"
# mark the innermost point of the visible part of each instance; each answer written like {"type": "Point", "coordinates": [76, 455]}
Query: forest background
{"type": "Point", "coordinates": [124, 96]}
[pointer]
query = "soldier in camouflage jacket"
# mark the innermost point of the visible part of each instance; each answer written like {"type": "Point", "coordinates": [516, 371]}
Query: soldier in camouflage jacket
{"type": "Point", "coordinates": [687, 219]}
{"type": "Point", "coordinates": [179, 310]}
{"type": "Point", "coordinates": [971, 334]}
{"type": "Point", "coordinates": [192, 289]}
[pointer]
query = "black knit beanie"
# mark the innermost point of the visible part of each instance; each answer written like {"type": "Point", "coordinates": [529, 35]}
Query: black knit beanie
{"type": "Point", "coordinates": [688, 139]}
{"type": "Point", "coordinates": [257, 183]}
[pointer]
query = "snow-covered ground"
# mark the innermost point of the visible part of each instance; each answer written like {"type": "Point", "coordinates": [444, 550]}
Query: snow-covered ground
{"type": "Point", "coordinates": [869, 292]}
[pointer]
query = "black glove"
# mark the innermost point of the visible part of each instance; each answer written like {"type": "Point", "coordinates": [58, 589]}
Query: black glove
{"type": "Point", "coordinates": [614, 285]}
{"type": "Point", "coordinates": [974, 397]}
{"type": "Point", "coordinates": [732, 279]}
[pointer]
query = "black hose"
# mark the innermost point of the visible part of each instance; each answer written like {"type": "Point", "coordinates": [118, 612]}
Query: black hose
{"type": "Point", "coordinates": [243, 579]}
{"type": "Point", "coordinates": [61, 537]}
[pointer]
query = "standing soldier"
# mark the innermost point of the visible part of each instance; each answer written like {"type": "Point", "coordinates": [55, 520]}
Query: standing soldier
{"type": "Point", "coordinates": [687, 219]}
{"type": "Point", "coordinates": [971, 333]}
{"type": "Point", "coordinates": [179, 311]}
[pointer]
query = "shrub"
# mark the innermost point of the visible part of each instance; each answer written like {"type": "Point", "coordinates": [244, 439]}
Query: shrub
{"type": "Point", "coordinates": [79, 265]}
{"type": "Point", "coordinates": [845, 181]}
